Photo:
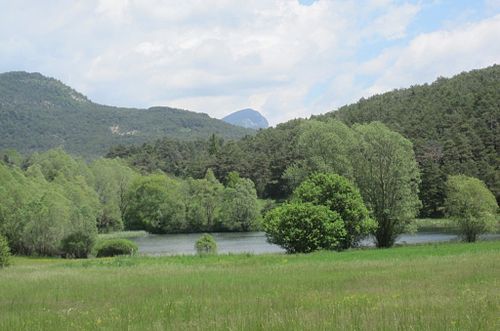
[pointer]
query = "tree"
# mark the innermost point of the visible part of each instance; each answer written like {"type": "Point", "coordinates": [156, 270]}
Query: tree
{"type": "Point", "coordinates": [387, 176]}
{"type": "Point", "coordinates": [206, 245]}
{"type": "Point", "coordinates": [4, 252]}
{"type": "Point", "coordinates": [48, 222]}
{"type": "Point", "coordinates": [341, 196]}
{"type": "Point", "coordinates": [155, 204]}
{"type": "Point", "coordinates": [240, 209]}
{"type": "Point", "coordinates": [471, 205]}
{"type": "Point", "coordinates": [204, 202]}
{"type": "Point", "coordinates": [321, 147]}
{"type": "Point", "coordinates": [77, 245]}
{"type": "Point", "coordinates": [111, 180]}
{"type": "Point", "coordinates": [304, 227]}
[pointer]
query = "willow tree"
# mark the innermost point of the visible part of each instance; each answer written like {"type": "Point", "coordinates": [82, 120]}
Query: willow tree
{"type": "Point", "coordinates": [470, 204]}
{"type": "Point", "coordinates": [387, 176]}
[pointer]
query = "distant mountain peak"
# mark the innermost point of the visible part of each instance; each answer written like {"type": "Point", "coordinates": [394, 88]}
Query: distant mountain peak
{"type": "Point", "coordinates": [247, 118]}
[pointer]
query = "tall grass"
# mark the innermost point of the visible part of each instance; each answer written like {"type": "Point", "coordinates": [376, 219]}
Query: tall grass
{"type": "Point", "coordinates": [428, 287]}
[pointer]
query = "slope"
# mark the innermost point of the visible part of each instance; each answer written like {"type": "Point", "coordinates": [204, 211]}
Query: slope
{"type": "Point", "coordinates": [38, 113]}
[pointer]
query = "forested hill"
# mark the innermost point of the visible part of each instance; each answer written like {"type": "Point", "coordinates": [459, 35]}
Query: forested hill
{"type": "Point", "coordinates": [453, 124]}
{"type": "Point", "coordinates": [38, 113]}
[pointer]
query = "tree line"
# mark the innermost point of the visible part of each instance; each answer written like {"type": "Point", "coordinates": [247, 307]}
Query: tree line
{"type": "Point", "coordinates": [49, 196]}
{"type": "Point", "coordinates": [452, 124]}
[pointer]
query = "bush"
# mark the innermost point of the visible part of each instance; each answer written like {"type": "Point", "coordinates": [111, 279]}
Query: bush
{"type": "Point", "coordinates": [304, 227]}
{"type": "Point", "coordinates": [339, 195]}
{"type": "Point", "coordinates": [77, 245]}
{"type": "Point", "coordinates": [114, 247]}
{"type": "Point", "coordinates": [4, 252]}
{"type": "Point", "coordinates": [470, 203]}
{"type": "Point", "coordinates": [206, 245]}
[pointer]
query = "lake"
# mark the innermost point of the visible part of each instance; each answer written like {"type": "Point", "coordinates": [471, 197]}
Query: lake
{"type": "Point", "coordinates": [255, 242]}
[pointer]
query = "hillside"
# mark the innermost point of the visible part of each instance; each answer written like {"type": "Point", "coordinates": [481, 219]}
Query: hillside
{"type": "Point", "coordinates": [38, 113]}
{"type": "Point", "coordinates": [247, 118]}
{"type": "Point", "coordinates": [453, 124]}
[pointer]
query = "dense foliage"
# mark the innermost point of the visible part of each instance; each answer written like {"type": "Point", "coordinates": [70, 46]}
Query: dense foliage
{"type": "Point", "coordinates": [77, 245]}
{"type": "Point", "coordinates": [160, 204]}
{"type": "Point", "coordinates": [51, 203]}
{"type": "Point", "coordinates": [206, 245]}
{"type": "Point", "coordinates": [471, 205]}
{"type": "Point", "coordinates": [452, 123]}
{"type": "Point", "coordinates": [387, 175]}
{"type": "Point", "coordinates": [341, 196]}
{"type": "Point", "coordinates": [115, 247]}
{"type": "Point", "coordinates": [304, 227]}
{"type": "Point", "coordinates": [38, 113]}
{"type": "Point", "coordinates": [4, 252]}
{"type": "Point", "coordinates": [45, 201]}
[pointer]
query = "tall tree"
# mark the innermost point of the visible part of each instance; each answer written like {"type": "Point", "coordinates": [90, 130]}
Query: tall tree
{"type": "Point", "coordinates": [387, 175]}
{"type": "Point", "coordinates": [240, 209]}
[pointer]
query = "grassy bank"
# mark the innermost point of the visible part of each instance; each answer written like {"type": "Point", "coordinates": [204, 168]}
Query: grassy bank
{"type": "Point", "coordinates": [440, 225]}
{"type": "Point", "coordinates": [122, 235]}
{"type": "Point", "coordinates": [436, 287]}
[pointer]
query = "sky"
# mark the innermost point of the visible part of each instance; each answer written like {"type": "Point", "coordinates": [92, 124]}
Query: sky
{"type": "Point", "coordinates": [284, 58]}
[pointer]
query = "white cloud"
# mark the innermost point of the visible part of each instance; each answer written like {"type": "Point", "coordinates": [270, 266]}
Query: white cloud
{"type": "Point", "coordinates": [394, 22]}
{"type": "Point", "coordinates": [282, 58]}
{"type": "Point", "coordinates": [440, 53]}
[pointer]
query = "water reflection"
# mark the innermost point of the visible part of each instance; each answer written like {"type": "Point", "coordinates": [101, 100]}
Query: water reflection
{"type": "Point", "coordinates": [255, 242]}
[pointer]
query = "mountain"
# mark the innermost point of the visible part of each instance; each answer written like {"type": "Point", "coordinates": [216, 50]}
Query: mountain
{"type": "Point", "coordinates": [247, 118]}
{"type": "Point", "coordinates": [38, 113]}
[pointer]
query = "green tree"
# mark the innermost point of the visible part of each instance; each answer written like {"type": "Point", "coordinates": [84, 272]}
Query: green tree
{"type": "Point", "coordinates": [48, 222]}
{"type": "Point", "coordinates": [471, 205]}
{"type": "Point", "coordinates": [341, 196]}
{"type": "Point", "coordinates": [16, 191]}
{"type": "Point", "coordinates": [4, 252]}
{"type": "Point", "coordinates": [155, 204]}
{"type": "Point", "coordinates": [206, 245]}
{"type": "Point", "coordinates": [45, 203]}
{"type": "Point", "coordinates": [387, 176]}
{"type": "Point", "coordinates": [321, 147]}
{"type": "Point", "coordinates": [111, 181]}
{"type": "Point", "coordinates": [204, 202]}
{"type": "Point", "coordinates": [304, 227]}
{"type": "Point", "coordinates": [240, 209]}
{"type": "Point", "coordinates": [77, 245]}
{"type": "Point", "coordinates": [56, 162]}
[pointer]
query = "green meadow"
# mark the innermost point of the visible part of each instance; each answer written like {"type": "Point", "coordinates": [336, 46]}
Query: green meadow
{"type": "Point", "coordinates": [429, 287]}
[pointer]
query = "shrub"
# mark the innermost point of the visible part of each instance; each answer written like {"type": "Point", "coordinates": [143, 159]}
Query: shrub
{"type": "Point", "coordinates": [4, 252]}
{"type": "Point", "coordinates": [206, 245]}
{"type": "Point", "coordinates": [114, 247]}
{"type": "Point", "coordinates": [304, 227]}
{"type": "Point", "coordinates": [77, 245]}
{"type": "Point", "coordinates": [339, 195]}
{"type": "Point", "coordinates": [471, 205]}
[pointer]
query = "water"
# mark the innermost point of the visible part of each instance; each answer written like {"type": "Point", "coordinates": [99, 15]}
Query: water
{"type": "Point", "coordinates": [255, 242]}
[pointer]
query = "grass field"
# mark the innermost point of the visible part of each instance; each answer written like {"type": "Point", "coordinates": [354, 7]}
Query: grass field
{"type": "Point", "coordinates": [429, 287]}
